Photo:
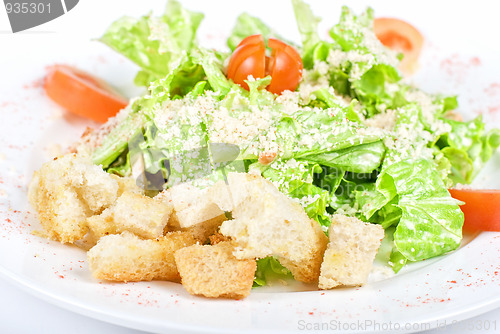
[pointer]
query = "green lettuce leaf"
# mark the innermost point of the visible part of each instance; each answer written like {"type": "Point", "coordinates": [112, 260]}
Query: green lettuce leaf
{"type": "Point", "coordinates": [116, 142]}
{"type": "Point", "coordinates": [364, 69]}
{"type": "Point", "coordinates": [299, 135]}
{"type": "Point", "coordinates": [350, 32]}
{"type": "Point", "coordinates": [179, 81]}
{"type": "Point", "coordinates": [270, 270]}
{"type": "Point", "coordinates": [410, 138]}
{"type": "Point", "coordinates": [376, 88]}
{"type": "Point", "coordinates": [349, 197]}
{"type": "Point", "coordinates": [211, 62]}
{"type": "Point", "coordinates": [375, 207]}
{"type": "Point", "coordinates": [121, 166]}
{"type": "Point", "coordinates": [308, 28]}
{"type": "Point", "coordinates": [258, 95]}
{"type": "Point", "coordinates": [468, 146]}
{"type": "Point", "coordinates": [176, 29]}
{"type": "Point", "coordinates": [331, 101]}
{"type": "Point", "coordinates": [155, 43]}
{"type": "Point", "coordinates": [431, 220]}
{"type": "Point", "coordinates": [247, 25]}
{"type": "Point", "coordinates": [130, 37]}
{"type": "Point", "coordinates": [295, 179]}
{"type": "Point", "coordinates": [329, 178]}
{"type": "Point", "coordinates": [362, 158]}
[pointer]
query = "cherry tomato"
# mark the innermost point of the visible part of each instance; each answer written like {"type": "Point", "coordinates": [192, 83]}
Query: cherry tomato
{"type": "Point", "coordinates": [249, 58]}
{"type": "Point", "coordinates": [400, 36]}
{"type": "Point", "coordinates": [286, 67]}
{"type": "Point", "coordinates": [82, 94]}
{"type": "Point", "coordinates": [481, 209]}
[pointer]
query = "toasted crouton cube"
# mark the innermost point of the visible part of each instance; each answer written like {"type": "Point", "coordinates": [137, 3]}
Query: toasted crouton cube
{"type": "Point", "coordinates": [141, 215]}
{"type": "Point", "coordinates": [203, 230]}
{"type": "Point", "coordinates": [220, 194]}
{"type": "Point", "coordinates": [67, 190]}
{"type": "Point", "coordinates": [218, 238]}
{"type": "Point", "coordinates": [194, 210]}
{"type": "Point", "coordinates": [127, 184]}
{"type": "Point", "coordinates": [191, 205]}
{"type": "Point", "coordinates": [349, 256]}
{"type": "Point", "coordinates": [127, 258]}
{"type": "Point", "coordinates": [213, 271]}
{"type": "Point", "coordinates": [268, 223]}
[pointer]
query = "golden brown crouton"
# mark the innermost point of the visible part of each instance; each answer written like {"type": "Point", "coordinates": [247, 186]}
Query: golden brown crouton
{"type": "Point", "coordinates": [126, 257]}
{"type": "Point", "coordinates": [127, 184]}
{"type": "Point", "coordinates": [201, 231]}
{"type": "Point", "coordinates": [268, 223]}
{"type": "Point", "coordinates": [308, 271]}
{"type": "Point", "coordinates": [67, 190]}
{"type": "Point", "coordinates": [141, 215]}
{"type": "Point", "coordinates": [191, 205]}
{"type": "Point", "coordinates": [213, 271]}
{"type": "Point", "coordinates": [349, 256]}
{"type": "Point", "coordinates": [194, 210]}
{"type": "Point", "coordinates": [221, 195]}
{"type": "Point", "coordinates": [218, 238]}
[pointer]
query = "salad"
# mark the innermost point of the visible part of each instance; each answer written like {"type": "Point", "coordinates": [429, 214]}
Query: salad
{"type": "Point", "coordinates": [330, 123]}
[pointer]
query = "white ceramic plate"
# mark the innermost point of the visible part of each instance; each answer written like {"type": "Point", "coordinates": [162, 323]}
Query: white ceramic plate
{"type": "Point", "coordinates": [457, 58]}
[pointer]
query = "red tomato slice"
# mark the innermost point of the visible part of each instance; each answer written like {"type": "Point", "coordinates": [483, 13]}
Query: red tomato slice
{"type": "Point", "coordinates": [286, 68]}
{"type": "Point", "coordinates": [276, 44]}
{"type": "Point", "coordinates": [82, 94]}
{"type": "Point", "coordinates": [248, 60]}
{"type": "Point", "coordinates": [252, 39]}
{"type": "Point", "coordinates": [481, 209]}
{"type": "Point", "coordinates": [400, 36]}
{"type": "Point", "coordinates": [284, 65]}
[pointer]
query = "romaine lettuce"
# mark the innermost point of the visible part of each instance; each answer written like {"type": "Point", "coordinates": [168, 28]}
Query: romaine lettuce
{"type": "Point", "coordinates": [431, 221]}
{"type": "Point", "coordinates": [468, 146]}
{"type": "Point", "coordinates": [155, 43]}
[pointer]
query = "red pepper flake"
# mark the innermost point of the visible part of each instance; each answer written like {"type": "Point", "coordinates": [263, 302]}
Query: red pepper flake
{"type": "Point", "coordinates": [452, 281]}
{"type": "Point", "coordinates": [493, 89]}
{"type": "Point", "coordinates": [457, 67]}
{"type": "Point", "coordinates": [311, 313]}
{"type": "Point", "coordinates": [34, 84]}
{"type": "Point", "coordinates": [475, 61]}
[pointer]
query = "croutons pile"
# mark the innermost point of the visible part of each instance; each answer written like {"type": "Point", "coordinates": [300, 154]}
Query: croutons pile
{"type": "Point", "coordinates": [182, 234]}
